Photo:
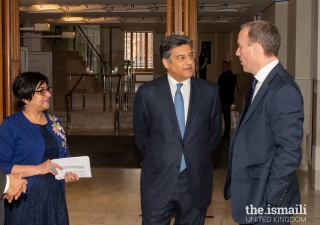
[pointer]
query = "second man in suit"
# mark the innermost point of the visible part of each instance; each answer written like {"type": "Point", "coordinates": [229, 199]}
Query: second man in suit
{"type": "Point", "coordinates": [177, 126]}
{"type": "Point", "coordinates": [265, 146]}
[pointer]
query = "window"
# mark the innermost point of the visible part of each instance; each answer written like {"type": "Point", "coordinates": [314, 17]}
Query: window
{"type": "Point", "coordinates": [138, 47]}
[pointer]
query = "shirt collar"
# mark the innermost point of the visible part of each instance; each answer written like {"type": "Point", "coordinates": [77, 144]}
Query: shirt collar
{"type": "Point", "coordinates": [263, 73]}
{"type": "Point", "coordinates": [173, 82]}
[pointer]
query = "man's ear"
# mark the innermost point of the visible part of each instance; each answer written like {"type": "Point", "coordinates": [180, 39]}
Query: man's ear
{"type": "Point", "coordinates": [165, 63]}
{"type": "Point", "coordinates": [257, 48]}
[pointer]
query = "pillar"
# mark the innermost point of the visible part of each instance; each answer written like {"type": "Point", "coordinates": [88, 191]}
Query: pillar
{"type": "Point", "coordinates": [299, 65]}
{"type": "Point", "coordinates": [169, 20]}
{"type": "Point", "coordinates": [178, 16]}
{"type": "Point", "coordinates": [316, 104]}
{"type": "Point", "coordinates": [185, 20]}
{"type": "Point", "coordinates": [10, 58]}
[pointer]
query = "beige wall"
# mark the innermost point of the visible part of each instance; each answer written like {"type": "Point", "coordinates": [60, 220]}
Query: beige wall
{"type": "Point", "coordinates": [105, 43]}
{"type": "Point", "coordinates": [117, 49]}
{"type": "Point", "coordinates": [281, 21]}
{"type": "Point", "coordinates": [158, 68]}
{"type": "Point", "coordinates": [303, 40]}
{"type": "Point", "coordinates": [291, 37]}
{"type": "Point", "coordinates": [223, 48]}
{"type": "Point", "coordinates": [278, 14]}
{"type": "Point", "coordinates": [316, 122]}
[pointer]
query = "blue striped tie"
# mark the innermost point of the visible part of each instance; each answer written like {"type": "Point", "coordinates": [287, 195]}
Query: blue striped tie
{"type": "Point", "coordinates": [179, 107]}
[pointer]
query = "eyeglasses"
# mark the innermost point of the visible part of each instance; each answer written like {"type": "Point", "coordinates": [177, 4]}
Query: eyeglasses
{"type": "Point", "coordinates": [44, 91]}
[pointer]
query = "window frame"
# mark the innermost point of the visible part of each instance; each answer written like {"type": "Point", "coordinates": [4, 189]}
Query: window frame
{"type": "Point", "coordinates": [133, 41]}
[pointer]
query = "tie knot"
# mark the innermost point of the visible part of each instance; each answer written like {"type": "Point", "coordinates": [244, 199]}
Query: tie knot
{"type": "Point", "coordinates": [179, 85]}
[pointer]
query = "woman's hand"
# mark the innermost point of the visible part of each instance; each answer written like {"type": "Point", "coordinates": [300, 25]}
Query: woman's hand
{"type": "Point", "coordinates": [48, 167]}
{"type": "Point", "coordinates": [70, 177]}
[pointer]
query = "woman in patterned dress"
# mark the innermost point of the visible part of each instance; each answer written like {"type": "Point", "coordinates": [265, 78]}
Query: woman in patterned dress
{"type": "Point", "coordinates": [29, 139]}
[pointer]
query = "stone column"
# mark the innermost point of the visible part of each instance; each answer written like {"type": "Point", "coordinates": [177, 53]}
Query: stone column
{"type": "Point", "coordinates": [299, 65]}
{"type": "Point", "coordinates": [10, 58]}
{"type": "Point", "coordinates": [316, 105]}
{"type": "Point", "coordinates": [169, 22]}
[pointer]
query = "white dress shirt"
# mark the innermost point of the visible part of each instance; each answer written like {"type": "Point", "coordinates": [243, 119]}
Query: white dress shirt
{"type": "Point", "coordinates": [185, 91]}
{"type": "Point", "coordinates": [262, 75]}
{"type": "Point", "coordinates": [7, 185]}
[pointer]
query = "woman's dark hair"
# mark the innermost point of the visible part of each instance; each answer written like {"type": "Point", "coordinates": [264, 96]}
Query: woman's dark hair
{"type": "Point", "coordinates": [25, 84]}
{"type": "Point", "coordinates": [173, 41]}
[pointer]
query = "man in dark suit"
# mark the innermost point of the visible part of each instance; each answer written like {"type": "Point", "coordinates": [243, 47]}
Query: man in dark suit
{"type": "Point", "coordinates": [177, 126]}
{"type": "Point", "coordinates": [12, 186]}
{"type": "Point", "coordinates": [226, 82]}
{"type": "Point", "coordinates": [265, 147]}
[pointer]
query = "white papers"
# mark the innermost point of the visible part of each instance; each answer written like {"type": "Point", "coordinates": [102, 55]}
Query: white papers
{"type": "Point", "coordinates": [78, 165]}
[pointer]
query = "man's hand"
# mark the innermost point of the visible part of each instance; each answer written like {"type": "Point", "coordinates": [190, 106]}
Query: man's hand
{"type": "Point", "coordinates": [16, 187]}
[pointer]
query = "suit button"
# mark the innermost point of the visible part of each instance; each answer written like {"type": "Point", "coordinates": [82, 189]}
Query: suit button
{"type": "Point", "coordinates": [184, 145]}
{"type": "Point", "coordinates": [178, 167]}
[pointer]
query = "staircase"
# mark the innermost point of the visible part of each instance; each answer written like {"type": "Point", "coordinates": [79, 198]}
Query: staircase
{"type": "Point", "coordinates": [94, 117]}
{"type": "Point", "coordinates": [88, 94]}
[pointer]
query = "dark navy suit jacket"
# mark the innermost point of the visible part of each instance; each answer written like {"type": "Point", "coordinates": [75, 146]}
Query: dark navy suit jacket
{"type": "Point", "coordinates": [158, 137]}
{"type": "Point", "coordinates": [265, 149]}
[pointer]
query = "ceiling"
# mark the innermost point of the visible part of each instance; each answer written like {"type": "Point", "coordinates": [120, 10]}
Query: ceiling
{"type": "Point", "coordinates": [219, 15]}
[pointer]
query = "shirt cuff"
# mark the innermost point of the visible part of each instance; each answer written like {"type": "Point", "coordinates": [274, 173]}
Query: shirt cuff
{"type": "Point", "coordinates": [7, 185]}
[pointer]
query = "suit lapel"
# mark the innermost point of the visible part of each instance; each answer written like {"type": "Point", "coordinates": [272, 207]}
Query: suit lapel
{"type": "Point", "coordinates": [263, 89]}
{"type": "Point", "coordinates": [164, 95]}
{"type": "Point", "coordinates": [195, 98]}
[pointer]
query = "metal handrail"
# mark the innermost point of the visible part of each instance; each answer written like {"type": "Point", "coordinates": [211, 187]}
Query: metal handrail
{"type": "Point", "coordinates": [103, 63]}
{"type": "Point", "coordinates": [121, 98]}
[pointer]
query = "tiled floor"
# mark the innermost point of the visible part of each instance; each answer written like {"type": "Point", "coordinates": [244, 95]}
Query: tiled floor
{"type": "Point", "coordinates": [112, 197]}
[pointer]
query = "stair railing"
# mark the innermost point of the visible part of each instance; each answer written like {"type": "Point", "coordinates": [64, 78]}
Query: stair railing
{"type": "Point", "coordinates": [92, 52]}
{"type": "Point", "coordinates": [121, 100]}
{"type": "Point", "coordinates": [68, 97]}
{"type": "Point", "coordinates": [121, 97]}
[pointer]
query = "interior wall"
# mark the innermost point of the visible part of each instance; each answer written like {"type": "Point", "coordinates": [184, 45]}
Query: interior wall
{"type": "Point", "coordinates": [316, 94]}
{"type": "Point", "coordinates": [117, 49]}
{"type": "Point", "coordinates": [303, 41]}
{"type": "Point", "coordinates": [292, 17]}
{"type": "Point", "coordinates": [158, 68]}
{"type": "Point", "coordinates": [105, 43]}
{"type": "Point", "coordinates": [281, 21]}
{"type": "Point", "coordinates": [244, 80]}
{"type": "Point", "coordinates": [278, 15]}
{"type": "Point", "coordinates": [211, 67]}
{"type": "Point", "coordinates": [223, 48]}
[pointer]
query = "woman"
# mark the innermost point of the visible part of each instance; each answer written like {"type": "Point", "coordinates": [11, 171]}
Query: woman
{"type": "Point", "coordinates": [29, 139]}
